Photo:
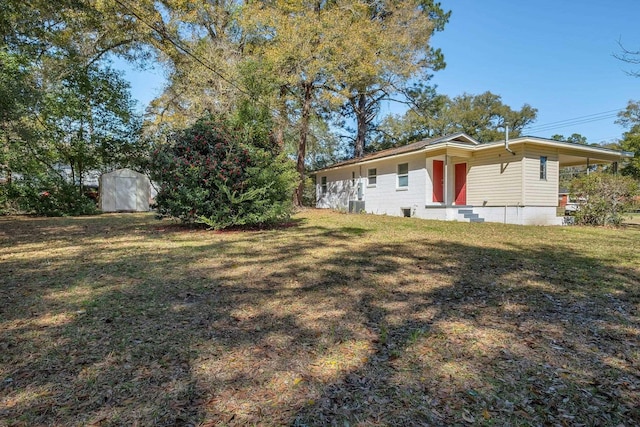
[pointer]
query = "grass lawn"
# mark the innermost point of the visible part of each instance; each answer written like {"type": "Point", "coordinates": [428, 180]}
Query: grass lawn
{"type": "Point", "coordinates": [334, 320]}
{"type": "Point", "coordinates": [633, 219]}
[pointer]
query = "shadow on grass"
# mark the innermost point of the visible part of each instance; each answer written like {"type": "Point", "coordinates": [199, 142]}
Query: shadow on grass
{"type": "Point", "coordinates": [310, 325]}
{"type": "Point", "coordinates": [515, 338]}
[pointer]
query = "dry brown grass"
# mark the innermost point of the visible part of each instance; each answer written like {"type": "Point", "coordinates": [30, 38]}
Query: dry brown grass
{"type": "Point", "coordinates": [337, 320]}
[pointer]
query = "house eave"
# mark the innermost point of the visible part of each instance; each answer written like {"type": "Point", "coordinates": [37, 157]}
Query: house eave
{"type": "Point", "coordinates": [446, 142]}
{"type": "Point", "coordinates": [470, 146]}
{"type": "Point", "coordinates": [586, 149]}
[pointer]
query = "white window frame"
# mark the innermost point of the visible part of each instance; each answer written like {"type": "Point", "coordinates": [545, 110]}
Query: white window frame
{"type": "Point", "coordinates": [323, 185]}
{"type": "Point", "coordinates": [405, 175]}
{"type": "Point", "coordinates": [372, 178]}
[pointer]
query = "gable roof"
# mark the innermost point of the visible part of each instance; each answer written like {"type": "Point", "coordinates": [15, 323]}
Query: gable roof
{"type": "Point", "coordinates": [457, 138]}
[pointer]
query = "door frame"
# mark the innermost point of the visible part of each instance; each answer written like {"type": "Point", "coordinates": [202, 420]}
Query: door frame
{"type": "Point", "coordinates": [437, 195]}
{"type": "Point", "coordinates": [460, 184]}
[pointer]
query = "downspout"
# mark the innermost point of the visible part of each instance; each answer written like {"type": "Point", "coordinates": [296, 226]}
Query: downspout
{"type": "Point", "coordinates": [360, 184]}
{"type": "Point", "coordinates": [506, 140]}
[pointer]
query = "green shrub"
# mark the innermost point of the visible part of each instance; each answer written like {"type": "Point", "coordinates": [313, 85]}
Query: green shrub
{"type": "Point", "coordinates": [44, 196]}
{"type": "Point", "coordinates": [50, 196]}
{"type": "Point", "coordinates": [216, 175]}
{"type": "Point", "coordinates": [8, 205]}
{"type": "Point", "coordinates": [604, 199]}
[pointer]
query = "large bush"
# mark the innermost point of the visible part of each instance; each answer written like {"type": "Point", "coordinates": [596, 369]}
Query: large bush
{"type": "Point", "coordinates": [604, 199]}
{"type": "Point", "coordinates": [221, 176]}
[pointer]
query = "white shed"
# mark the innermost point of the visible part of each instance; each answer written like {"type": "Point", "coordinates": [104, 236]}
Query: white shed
{"type": "Point", "coordinates": [124, 190]}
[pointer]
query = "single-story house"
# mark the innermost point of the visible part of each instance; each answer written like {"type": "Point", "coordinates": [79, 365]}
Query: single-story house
{"type": "Point", "coordinates": [457, 178]}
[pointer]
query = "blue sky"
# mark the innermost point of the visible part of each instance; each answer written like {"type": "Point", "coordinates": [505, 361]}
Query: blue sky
{"type": "Point", "coordinates": [556, 55]}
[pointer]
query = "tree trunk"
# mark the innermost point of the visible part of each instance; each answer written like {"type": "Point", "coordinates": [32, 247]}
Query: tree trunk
{"type": "Point", "coordinates": [6, 151]}
{"type": "Point", "coordinates": [282, 120]}
{"type": "Point", "coordinates": [80, 172]}
{"type": "Point", "coordinates": [361, 117]}
{"type": "Point", "coordinates": [307, 87]}
{"type": "Point", "coordinates": [73, 172]}
{"type": "Point", "coordinates": [80, 154]}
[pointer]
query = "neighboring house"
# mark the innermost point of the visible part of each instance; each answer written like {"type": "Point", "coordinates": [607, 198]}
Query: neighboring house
{"type": "Point", "coordinates": [124, 190]}
{"type": "Point", "coordinates": [457, 178]}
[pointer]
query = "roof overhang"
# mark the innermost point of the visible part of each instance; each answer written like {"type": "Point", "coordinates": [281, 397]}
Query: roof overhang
{"type": "Point", "coordinates": [569, 153]}
{"type": "Point", "coordinates": [462, 145]}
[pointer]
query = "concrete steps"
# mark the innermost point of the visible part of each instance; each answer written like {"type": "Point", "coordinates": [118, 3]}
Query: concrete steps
{"type": "Point", "coordinates": [470, 215]}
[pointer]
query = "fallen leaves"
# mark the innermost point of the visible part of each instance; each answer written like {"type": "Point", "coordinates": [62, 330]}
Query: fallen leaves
{"type": "Point", "coordinates": [406, 323]}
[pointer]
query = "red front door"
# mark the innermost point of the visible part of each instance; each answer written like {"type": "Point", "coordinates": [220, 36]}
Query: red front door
{"type": "Point", "coordinates": [438, 181]}
{"type": "Point", "coordinates": [461, 184]}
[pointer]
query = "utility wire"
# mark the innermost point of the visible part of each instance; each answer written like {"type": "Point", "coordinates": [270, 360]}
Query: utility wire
{"type": "Point", "coordinates": [163, 34]}
{"type": "Point", "coordinates": [568, 124]}
{"type": "Point", "coordinates": [582, 117]}
{"type": "Point", "coordinates": [574, 121]}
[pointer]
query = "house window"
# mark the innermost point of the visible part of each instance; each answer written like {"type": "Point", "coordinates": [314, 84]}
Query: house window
{"type": "Point", "coordinates": [543, 167]}
{"type": "Point", "coordinates": [353, 178]}
{"type": "Point", "coordinates": [323, 182]}
{"type": "Point", "coordinates": [372, 177]}
{"type": "Point", "coordinates": [403, 175]}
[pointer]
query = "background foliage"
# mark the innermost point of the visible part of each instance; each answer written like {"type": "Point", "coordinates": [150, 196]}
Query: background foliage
{"type": "Point", "coordinates": [45, 195]}
{"type": "Point", "coordinates": [603, 198]}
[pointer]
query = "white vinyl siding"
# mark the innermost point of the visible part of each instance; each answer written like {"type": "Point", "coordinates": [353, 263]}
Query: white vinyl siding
{"type": "Point", "coordinates": [494, 178]}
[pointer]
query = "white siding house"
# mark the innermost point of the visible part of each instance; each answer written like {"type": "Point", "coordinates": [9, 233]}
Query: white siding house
{"type": "Point", "coordinates": [457, 178]}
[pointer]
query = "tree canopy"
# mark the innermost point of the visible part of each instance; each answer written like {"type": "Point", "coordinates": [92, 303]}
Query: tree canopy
{"type": "Point", "coordinates": [483, 117]}
{"type": "Point", "coordinates": [311, 69]}
{"type": "Point", "coordinates": [61, 103]}
{"type": "Point", "coordinates": [576, 138]}
{"type": "Point", "coordinates": [630, 119]}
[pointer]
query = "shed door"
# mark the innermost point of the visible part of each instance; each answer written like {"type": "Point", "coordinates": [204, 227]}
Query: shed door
{"type": "Point", "coordinates": [461, 184]}
{"type": "Point", "coordinates": [125, 194]}
{"type": "Point", "coordinates": [438, 181]}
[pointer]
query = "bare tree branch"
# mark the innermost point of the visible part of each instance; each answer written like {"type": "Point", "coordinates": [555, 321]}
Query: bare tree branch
{"type": "Point", "coordinates": [630, 57]}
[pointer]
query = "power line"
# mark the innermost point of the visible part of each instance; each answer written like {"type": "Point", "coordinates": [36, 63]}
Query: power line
{"type": "Point", "coordinates": [162, 33]}
{"type": "Point", "coordinates": [582, 117]}
{"type": "Point", "coordinates": [574, 121]}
